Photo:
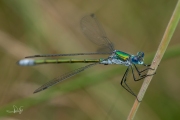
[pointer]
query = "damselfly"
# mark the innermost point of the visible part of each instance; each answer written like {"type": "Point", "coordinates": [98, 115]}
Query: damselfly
{"type": "Point", "coordinates": [94, 32]}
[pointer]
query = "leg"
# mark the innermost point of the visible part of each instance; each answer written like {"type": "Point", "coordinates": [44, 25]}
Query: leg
{"type": "Point", "coordinates": [139, 72]}
{"type": "Point", "coordinates": [141, 77]}
{"type": "Point", "coordinates": [147, 65]}
{"type": "Point", "coordinates": [124, 81]}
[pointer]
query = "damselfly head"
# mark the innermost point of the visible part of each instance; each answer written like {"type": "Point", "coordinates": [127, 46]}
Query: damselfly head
{"type": "Point", "coordinates": [138, 59]}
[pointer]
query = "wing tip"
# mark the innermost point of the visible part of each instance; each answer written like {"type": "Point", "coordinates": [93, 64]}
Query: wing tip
{"type": "Point", "coordinates": [39, 90]}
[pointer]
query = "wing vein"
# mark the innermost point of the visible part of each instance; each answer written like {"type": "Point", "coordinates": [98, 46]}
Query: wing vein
{"type": "Point", "coordinates": [63, 77]}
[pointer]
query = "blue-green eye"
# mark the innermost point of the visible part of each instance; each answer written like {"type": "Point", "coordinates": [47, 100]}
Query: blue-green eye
{"type": "Point", "coordinates": [135, 59]}
{"type": "Point", "coordinates": [140, 54]}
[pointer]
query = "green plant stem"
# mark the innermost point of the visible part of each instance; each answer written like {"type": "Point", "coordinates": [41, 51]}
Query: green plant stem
{"type": "Point", "coordinates": [159, 54]}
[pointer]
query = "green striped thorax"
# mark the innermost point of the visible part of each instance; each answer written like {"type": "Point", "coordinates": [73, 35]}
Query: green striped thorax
{"type": "Point", "coordinates": [122, 55]}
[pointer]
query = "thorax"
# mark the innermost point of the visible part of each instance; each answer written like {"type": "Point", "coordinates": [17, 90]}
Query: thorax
{"type": "Point", "coordinates": [118, 57]}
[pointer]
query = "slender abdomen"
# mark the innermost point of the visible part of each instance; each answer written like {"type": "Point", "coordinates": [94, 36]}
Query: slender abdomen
{"type": "Point", "coordinates": [31, 62]}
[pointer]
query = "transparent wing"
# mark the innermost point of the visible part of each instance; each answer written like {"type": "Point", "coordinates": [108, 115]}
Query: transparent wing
{"type": "Point", "coordinates": [94, 32]}
{"type": "Point", "coordinates": [63, 77]}
{"type": "Point", "coordinates": [73, 54]}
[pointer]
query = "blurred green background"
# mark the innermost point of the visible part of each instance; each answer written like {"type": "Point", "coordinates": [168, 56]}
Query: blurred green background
{"type": "Point", "coordinates": [50, 27]}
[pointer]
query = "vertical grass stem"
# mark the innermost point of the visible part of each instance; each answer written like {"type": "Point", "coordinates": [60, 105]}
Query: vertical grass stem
{"type": "Point", "coordinates": [156, 61]}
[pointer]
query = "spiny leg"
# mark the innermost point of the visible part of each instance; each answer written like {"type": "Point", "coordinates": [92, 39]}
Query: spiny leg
{"type": "Point", "coordinates": [147, 65]}
{"type": "Point", "coordinates": [124, 81]}
{"type": "Point", "coordinates": [141, 77]}
{"type": "Point", "coordinates": [142, 70]}
{"type": "Point", "coordinates": [139, 72]}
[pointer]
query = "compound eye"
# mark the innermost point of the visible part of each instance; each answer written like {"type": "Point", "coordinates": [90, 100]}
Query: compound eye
{"type": "Point", "coordinates": [135, 59]}
{"type": "Point", "coordinates": [140, 54]}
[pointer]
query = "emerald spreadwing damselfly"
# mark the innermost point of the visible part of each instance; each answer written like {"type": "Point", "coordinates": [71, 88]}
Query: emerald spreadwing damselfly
{"type": "Point", "coordinates": [95, 33]}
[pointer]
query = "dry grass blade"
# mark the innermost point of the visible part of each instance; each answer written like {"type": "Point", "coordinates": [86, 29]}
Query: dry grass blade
{"type": "Point", "coordinates": [159, 54]}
